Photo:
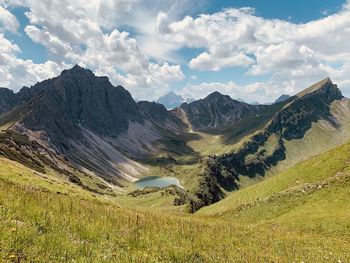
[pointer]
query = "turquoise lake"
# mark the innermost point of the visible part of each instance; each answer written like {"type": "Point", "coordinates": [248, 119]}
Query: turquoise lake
{"type": "Point", "coordinates": [157, 181]}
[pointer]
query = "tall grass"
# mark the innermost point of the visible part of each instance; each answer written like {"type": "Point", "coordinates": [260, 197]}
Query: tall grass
{"type": "Point", "coordinates": [42, 226]}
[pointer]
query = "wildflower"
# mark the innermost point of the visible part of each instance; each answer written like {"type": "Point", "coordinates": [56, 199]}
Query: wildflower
{"type": "Point", "coordinates": [13, 230]}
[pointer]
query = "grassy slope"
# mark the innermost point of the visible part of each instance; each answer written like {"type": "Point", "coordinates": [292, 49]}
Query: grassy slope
{"type": "Point", "coordinates": [313, 195]}
{"type": "Point", "coordinates": [37, 224]}
{"type": "Point", "coordinates": [320, 138]}
{"type": "Point", "coordinates": [7, 119]}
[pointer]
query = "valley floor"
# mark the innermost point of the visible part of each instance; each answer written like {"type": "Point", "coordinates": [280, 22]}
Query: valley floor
{"type": "Point", "coordinates": [301, 215]}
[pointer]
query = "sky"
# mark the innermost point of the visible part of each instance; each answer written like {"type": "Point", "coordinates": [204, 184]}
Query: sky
{"type": "Point", "coordinates": [253, 50]}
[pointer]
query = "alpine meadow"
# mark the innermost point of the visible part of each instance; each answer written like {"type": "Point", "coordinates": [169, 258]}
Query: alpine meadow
{"type": "Point", "coordinates": [174, 131]}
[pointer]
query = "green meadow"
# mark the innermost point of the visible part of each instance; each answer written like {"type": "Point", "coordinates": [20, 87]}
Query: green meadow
{"type": "Point", "coordinates": [300, 215]}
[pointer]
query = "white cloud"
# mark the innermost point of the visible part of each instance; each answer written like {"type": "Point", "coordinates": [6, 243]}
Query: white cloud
{"type": "Point", "coordinates": [89, 33]}
{"type": "Point", "coordinates": [6, 47]}
{"type": "Point", "coordinates": [56, 47]}
{"type": "Point", "coordinates": [263, 92]}
{"type": "Point", "coordinates": [16, 73]}
{"type": "Point", "coordinates": [85, 33]}
{"type": "Point", "coordinates": [206, 61]}
{"type": "Point", "coordinates": [290, 53]}
{"type": "Point", "coordinates": [8, 21]}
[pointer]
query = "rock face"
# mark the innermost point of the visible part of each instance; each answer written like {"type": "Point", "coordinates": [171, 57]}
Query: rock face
{"type": "Point", "coordinates": [160, 116]}
{"type": "Point", "coordinates": [218, 111]}
{"type": "Point", "coordinates": [309, 106]}
{"type": "Point", "coordinates": [82, 120]}
{"type": "Point", "coordinates": [90, 121]}
{"type": "Point", "coordinates": [6, 99]}
{"type": "Point", "coordinates": [77, 98]}
{"type": "Point", "coordinates": [171, 100]}
{"type": "Point", "coordinates": [9, 99]}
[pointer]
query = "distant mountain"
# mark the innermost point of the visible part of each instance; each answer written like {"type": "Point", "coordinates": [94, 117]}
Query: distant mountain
{"type": "Point", "coordinates": [171, 100]}
{"type": "Point", "coordinates": [282, 98]}
{"type": "Point", "coordinates": [255, 103]}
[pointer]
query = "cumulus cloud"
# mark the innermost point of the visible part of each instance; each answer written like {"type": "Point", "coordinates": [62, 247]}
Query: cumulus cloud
{"type": "Point", "coordinates": [297, 53]}
{"type": "Point", "coordinates": [8, 21]}
{"type": "Point", "coordinates": [210, 62]}
{"type": "Point", "coordinates": [145, 59]}
{"type": "Point", "coordinates": [85, 33]}
{"type": "Point", "coordinates": [263, 92]}
{"type": "Point", "coordinates": [16, 73]}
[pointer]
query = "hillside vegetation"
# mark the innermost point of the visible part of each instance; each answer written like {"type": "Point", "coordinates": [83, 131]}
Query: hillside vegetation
{"type": "Point", "coordinates": [301, 214]}
{"type": "Point", "coordinates": [254, 188]}
{"type": "Point", "coordinates": [312, 195]}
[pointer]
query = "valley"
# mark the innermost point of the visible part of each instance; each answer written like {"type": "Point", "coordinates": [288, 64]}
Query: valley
{"type": "Point", "coordinates": [82, 163]}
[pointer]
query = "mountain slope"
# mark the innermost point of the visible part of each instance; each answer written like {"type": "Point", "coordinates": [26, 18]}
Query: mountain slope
{"type": "Point", "coordinates": [217, 112]}
{"type": "Point", "coordinates": [80, 121]}
{"type": "Point", "coordinates": [315, 191]}
{"type": "Point", "coordinates": [266, 148]}
{"type": "Point", "coordinates": [97, 127]}
{"type": "Point", "coordinates": [53, 222]}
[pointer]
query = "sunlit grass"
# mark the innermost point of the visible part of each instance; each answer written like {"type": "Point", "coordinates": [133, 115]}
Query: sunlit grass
{"type": "Point", "coordinates": [41, 224]}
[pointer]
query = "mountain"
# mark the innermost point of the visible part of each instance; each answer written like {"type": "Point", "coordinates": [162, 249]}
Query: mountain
{"type": "Point", "coordinates": [241, 100]}
{"type": "Point", "coordinates": [282, 98]}
{"type": "Point", "coordinates": [6, 99]}
{"type": "Point", "coordinates": [321, 104]}
{"type": "Point", "coordinates": [78, 123]}
{"type": "Point", "coordinates": [171, 100]}
{"type": "Point", "coordinates": [255, 103]}
{"type": "Point", "coordinates": [72, 146]}
{"type": "Point", "coordinates": [97, 126]}
{"type": "Point", "coordinates": [217, 111]}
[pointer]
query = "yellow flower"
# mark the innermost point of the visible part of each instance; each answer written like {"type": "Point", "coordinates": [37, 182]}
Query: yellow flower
{"type": "Point", "coordinates": [13, 230]}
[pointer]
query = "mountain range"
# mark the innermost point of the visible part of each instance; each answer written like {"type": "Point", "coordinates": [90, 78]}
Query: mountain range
{"type": "Point", "coordinates": [264, 183]}
{"type": "Point", "coordinates": [80, 123]}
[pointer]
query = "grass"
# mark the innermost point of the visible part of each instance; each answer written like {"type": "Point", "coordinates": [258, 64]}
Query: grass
{"type": "Point", "coordinates": [9, 118]}
{"type": "Point", "coordinates": [42, 226]}
{"type": "Point", "coordinates": [313, 196]}
{"type": "Point", "coordinates": [49, 222]}
{"type": "Point", "coordinates": [299, 215]}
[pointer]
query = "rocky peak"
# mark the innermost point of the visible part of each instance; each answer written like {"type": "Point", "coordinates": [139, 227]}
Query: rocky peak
{"type": "Point", "coordinates": [77, 70]}
{"type": "Point", "coordinates": [77, 98]}
{"type": "Point", "coordinates": [216, 111]}
{"type": "Point", "coordinates": [171, 100]}
{"type": "Point", "coordinates": [309, 106]}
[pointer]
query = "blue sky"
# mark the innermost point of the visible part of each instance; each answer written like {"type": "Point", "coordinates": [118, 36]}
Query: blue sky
{"type": "Point", "coordinates": [250, 49]}
{"type": "Point", "coordinates": [297, 11]}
